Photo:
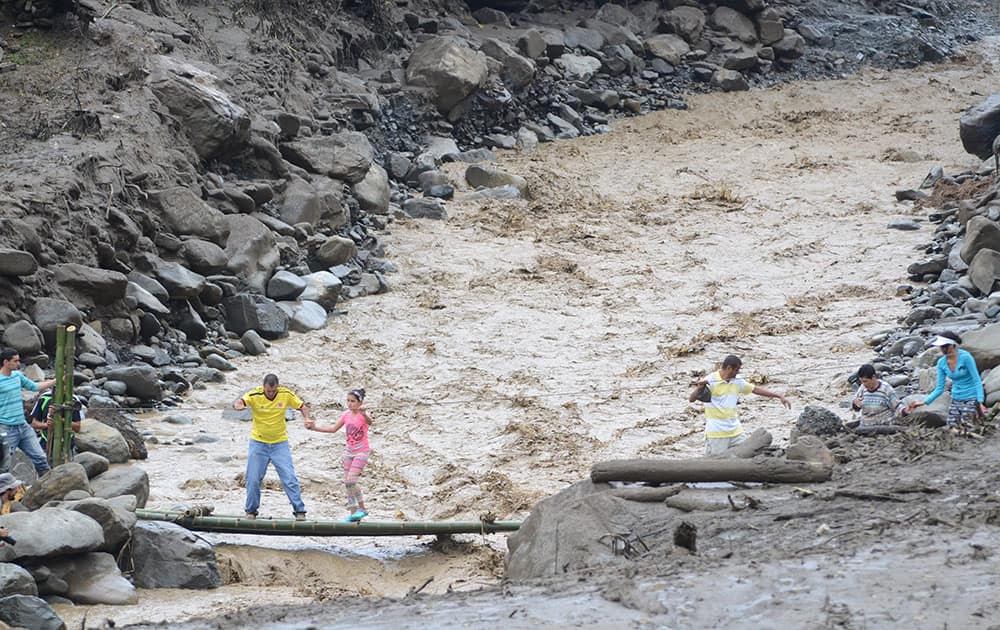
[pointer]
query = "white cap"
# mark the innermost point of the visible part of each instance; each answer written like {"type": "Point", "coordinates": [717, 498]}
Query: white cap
{"type": "Point", "coordinates": [943, 341]}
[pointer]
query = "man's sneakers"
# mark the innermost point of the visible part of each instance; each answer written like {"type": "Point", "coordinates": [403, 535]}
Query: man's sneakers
{"type": "Point", "coordinates": [251, 515]}
{"type": "Point", "coordinates": [300, 516]}
{"type": "Point", "coordinates": [357, 516]}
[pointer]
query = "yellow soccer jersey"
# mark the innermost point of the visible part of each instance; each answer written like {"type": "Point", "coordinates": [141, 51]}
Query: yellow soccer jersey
{"type": "Point", "coordinates": [269, 415]}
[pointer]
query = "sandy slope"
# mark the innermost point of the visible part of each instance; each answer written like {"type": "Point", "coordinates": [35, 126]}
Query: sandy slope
{"type": "Point", "coordinates": [522, 341]}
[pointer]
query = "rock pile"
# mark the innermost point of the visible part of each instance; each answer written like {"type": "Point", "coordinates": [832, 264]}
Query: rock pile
{"type": "Point", "coordinates": [959, 278]}
{"type": "Point", "coordinates": [76, 529]}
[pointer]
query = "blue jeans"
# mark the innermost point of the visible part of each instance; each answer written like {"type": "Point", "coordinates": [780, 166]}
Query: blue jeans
{"type": "Point", "coordinates": [22, 436]}
{"type": "Point", "coordinates": [259, 455]}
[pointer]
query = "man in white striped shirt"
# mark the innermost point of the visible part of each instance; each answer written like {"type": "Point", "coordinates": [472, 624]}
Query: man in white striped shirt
{"type": "Point", "coordinates": [876, 400]}
{"type": "Point", "coordinates": [722, 428]}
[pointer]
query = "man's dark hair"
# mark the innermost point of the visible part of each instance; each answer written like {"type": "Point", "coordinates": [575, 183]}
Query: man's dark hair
{"type": "Point", "coordinates": [271, 380]}
{"type": "Point", "coordinates": [866, 371]}
{"type": "Point", "coordinates": [732, 361]}
{"type": "Point", "coordinates": [8, 353]}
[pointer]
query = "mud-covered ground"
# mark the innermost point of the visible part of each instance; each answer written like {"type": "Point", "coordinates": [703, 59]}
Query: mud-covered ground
{"type": "Point", "coordinates": [524, 341]}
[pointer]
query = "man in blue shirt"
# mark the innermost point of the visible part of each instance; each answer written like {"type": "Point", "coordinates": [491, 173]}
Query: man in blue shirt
{"type": "Point", "coordinates": [15, 433]}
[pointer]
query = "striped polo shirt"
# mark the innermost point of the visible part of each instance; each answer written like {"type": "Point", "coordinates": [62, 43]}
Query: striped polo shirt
{"type": "Point", "coordinates": [720, 414]}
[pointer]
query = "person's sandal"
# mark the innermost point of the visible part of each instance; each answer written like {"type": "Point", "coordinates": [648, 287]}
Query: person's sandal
{"type": "Point", "coordinates": [357, 516]}
{"type": "Point", "coordinates": [300, 516]}
{"type": "Point", "coordinates": [251, 515]}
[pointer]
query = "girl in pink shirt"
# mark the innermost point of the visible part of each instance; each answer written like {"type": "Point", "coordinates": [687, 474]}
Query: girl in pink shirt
{"type": "Point", "coordinates": [355, 422]}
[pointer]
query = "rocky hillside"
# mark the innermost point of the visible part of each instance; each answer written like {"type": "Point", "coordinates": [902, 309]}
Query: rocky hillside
{"type": "Point", "coordinates": [186, 181]}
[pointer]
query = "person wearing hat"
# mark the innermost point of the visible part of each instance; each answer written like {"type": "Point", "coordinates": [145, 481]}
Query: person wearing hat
{"type": "Point", "coordinates": [15, 431]}
{"type": "Point", "coordinates": [11, 491]}
{"type": "Point", "coordinates": [966, 386]}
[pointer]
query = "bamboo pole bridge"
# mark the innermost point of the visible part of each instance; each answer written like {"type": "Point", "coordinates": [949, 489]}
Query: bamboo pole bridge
{"type": "Point", "coordinates": [316, 527]}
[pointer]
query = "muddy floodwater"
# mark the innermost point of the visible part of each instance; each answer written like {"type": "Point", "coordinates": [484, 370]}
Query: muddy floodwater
{"type": "Point", "coordinates": [522, 341]}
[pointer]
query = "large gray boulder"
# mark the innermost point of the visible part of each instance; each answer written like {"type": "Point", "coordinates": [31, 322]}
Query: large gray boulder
{"type": "Point", "coordinates": [89, 340]}
{"type": "Point", "coordinates": [100, 439]}
{"type": "Point", "coordinates": [50, 313]}
{"type": "Point", "coordinates": [517, 71]}
{"type": "Point", "coordinates": [93, 578]}
{"type": "Point", "coordinates": [252, 251]}
{"type": "Point", "coordinates": [303, 315]}
{"type": "Point", "coordinates": [120, 481]}
{"type": "Point", "coordinates": [449, 68]}
{"type": "Point", "coordinates": [984, 270]}
{"type": "Point", "coordinates": [585, 39]}
{"type": "Point", "coordinates": [984, 345]}
{"type": "Point", "coordinates": [484, 176]}
{"type": "Point", "coordinates": [980, 233]}
{"type": "Point", "coordinates": [115, 520]}
{"type": "Point", "coordinates": [186, 214]}
{"type": "Point", "coordinates": [568, 531]}
{"type": "Point", "coordinates": [214, 125]}
{"type": "Point", "coordinates": [17, 262]}
{"type": "Point", "coordinates": [14, 580]}
{"type": "Point", "coordinates": [301, 203]}
{"type": "Point", "coordinates": [373, 191]}
{"type": "Point", "coordinates": [578, 67]}
{"type": "Point", "coordinates": [346, 155]}
{"type": "Point", "coordinates": [24, 337]}
{"type": "Point", "coordinates": [204, 257]}
{"type": "Point", "coordinates": [669, 48]}
{"type": "Point", "coordinates": [255, 312]}
{"type": "Point", "coordinates": [90, 285]}
{"type": "Point", "coordinates": [26, 611]}
{"type": "Point", "coordinates": [92, 463]}
{"type": "Point", "coordinates": [150, 284]}
{"type": "Point", "coordinates": [323, 288]}
{"type": "Point", "coordinates": [146, 300]}
{"type": "Point", "coordinates": [980, 125]}
{"type": "Point", "coordinates": [285, 285]}
{"type": "Point", "coordinates": [48, 532]}
{"type": "Point", "coordinates": [791, 46]}
{"type": "Point", "coordinates": [55, 484]}
{"type": "Point", "coordinates": [336, 250]}
{"type": "Point", "coordinates": [180, 282]}
{"type": "Point", "coordinates": [142, 380]}
{"type": "Point", "coordinates": [818, 421]}
{"type": "Point", "coordinates": [166, 555]}
{"type": "Point", "coordinates": [686, 22]}
{"type": "Point", "coordinates": [735, 24]}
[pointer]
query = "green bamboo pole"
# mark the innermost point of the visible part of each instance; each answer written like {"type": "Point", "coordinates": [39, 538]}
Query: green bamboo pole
{"type": "Point", "coordinates": [55, 433]}
{"type": "Point", "coordinates": [291, 527]}
{"type": "Point", "coordinates": [62, 455]}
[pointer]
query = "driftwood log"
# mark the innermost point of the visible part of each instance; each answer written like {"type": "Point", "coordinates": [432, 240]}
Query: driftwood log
{"type": "Point", "coordinates": [758, 441]}
{"type": "Point", "coordinates": [771, 470]}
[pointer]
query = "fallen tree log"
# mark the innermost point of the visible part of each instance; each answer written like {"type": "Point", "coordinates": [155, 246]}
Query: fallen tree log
{"type": "Point", "coordinates": [758, 441]}
{"type": "Point", "coordinates": [771, 470]}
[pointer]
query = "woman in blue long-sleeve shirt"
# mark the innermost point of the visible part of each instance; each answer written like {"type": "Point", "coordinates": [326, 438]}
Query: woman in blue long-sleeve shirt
{"type": "Point", "coordinates": [966, 386]}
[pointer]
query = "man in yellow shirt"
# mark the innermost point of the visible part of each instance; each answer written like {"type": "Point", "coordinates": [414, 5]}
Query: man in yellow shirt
{"type": "Point", "coordinates": [269, 442]}
{"type": "Point", "coordinates": [723, 430]}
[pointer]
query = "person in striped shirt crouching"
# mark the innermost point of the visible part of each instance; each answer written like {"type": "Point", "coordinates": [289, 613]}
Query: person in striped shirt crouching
{"type": "Point", "coordinates": [875, 399]}
{"type": "Point", "coordinates": [721, 391]}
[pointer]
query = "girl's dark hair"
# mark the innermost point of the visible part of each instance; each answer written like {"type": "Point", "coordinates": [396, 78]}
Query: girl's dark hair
{"type": "Point", "coordinates": [866, 371]}
{"type": "Point", "coordinates": [358, 393]}
{"type": "Point", "coordinates": [953, 336]}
